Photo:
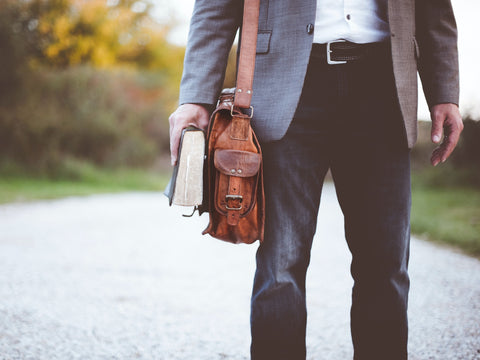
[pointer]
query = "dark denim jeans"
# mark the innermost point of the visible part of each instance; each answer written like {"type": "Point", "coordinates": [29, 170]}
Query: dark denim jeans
{"type": "Point", "coordinates": [347, 120]}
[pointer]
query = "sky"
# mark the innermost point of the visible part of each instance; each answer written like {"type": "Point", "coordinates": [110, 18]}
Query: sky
{"type": "Point", "coordinates": [469, 48]}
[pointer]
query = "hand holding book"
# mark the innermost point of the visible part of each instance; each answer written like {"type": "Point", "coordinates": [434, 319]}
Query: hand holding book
{"type": "Point", "coordinates": [186, 115]}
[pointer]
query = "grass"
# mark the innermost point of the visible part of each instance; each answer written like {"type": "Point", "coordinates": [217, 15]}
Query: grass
{"type": "Point", "coordinates": [447, 215]}
{"type": "Point", "coordinates": [14, 188]}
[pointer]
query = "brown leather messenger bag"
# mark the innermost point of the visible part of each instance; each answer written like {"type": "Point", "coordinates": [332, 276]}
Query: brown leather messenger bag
{"type": "Point", "coordinates": [234, 179]}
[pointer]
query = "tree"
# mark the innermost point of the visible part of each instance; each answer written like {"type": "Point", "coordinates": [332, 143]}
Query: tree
{"type": "Point", "coordinates": [100, 33]}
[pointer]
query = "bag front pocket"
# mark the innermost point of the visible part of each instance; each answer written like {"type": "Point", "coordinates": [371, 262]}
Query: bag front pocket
{"type": "Point", "coordinates": [236, 178]}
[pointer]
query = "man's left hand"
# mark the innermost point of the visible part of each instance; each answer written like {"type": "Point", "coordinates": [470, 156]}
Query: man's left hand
{"type": "Point", "coordinates": [446, 118]}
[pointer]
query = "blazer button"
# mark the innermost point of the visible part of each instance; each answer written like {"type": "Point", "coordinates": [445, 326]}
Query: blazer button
{"type": "Point", "coordinates": [310, 29]}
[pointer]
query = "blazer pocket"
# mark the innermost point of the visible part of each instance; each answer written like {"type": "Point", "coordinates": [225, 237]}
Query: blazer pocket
{"type": "Point", "coordinates": [263, 41]}
{"type": "Point", "coordinates": [417, 49]}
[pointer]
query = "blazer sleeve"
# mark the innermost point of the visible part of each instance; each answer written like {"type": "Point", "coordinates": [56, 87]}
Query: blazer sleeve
{"type": "Point", "coordinates": [436, 34]}
{"type": "Point", "coordinates": [213, 27]}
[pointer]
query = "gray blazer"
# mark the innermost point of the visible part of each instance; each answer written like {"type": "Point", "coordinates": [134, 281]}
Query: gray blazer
{"type": "Point", "coordinates": [423, 38]}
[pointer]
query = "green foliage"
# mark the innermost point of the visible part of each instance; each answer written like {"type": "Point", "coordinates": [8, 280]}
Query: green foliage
{"type": "Point", "coordinates": [83, 179]}
{"type": "Point", "coordinates": [467, 154]}
{"type": "Point", "coordinates": [450, 216]}
{"type": "Point", "coordinates": [111, 118]}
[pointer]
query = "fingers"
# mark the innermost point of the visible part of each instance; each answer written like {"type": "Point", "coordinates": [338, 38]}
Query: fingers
{"type": "Point", "coordinates": [441, 153]}
{"type": "Point", "coordinates": [445, 117]}
{"type": "Point", "coordinates": [174, 139]}
{"type": "Point", "coordinates": [184, 116]}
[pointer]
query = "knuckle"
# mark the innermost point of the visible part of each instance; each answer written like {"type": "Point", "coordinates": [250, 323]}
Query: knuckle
{"type": "Point", "coordinates": [437, 113]}
{"type": "Point", "coordinates": [436, 123]}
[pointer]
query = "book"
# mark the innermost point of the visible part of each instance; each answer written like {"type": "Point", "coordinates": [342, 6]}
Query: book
{"type": "Point", "coordinates": [186, 184]}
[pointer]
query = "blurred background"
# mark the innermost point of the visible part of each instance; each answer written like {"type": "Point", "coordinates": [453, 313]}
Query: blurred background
{"type": "Point", "coordinates": [86, 88]}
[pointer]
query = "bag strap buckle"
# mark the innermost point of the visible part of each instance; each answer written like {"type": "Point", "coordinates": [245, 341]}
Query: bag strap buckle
{"type": "Point", "coordinates": [237, 198]}
{"type": "Point", "coordinates": [248, 115]}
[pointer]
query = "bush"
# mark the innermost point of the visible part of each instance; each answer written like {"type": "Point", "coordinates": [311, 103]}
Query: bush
{"type": "Point", "coordinates": [109, 117]}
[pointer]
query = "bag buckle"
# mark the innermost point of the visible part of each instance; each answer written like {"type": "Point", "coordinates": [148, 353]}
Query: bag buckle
{"type": "Point", "coordinates": [234, 197]}
{"type": "Point", "coordinates": [329, 52]}
{"type": "Point", "coordinates": [248, 115]}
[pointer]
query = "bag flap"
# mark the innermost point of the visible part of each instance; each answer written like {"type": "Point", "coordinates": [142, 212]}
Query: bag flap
{"type": "Point", "coordinates": [237, 163]}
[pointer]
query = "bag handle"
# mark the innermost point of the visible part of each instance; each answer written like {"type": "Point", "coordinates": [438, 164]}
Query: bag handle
{"type": "Point", "coordinates": [248, 49]}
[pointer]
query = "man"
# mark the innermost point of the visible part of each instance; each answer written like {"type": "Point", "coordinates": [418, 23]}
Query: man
{"type": "Point", "coordinates": [335, 87]}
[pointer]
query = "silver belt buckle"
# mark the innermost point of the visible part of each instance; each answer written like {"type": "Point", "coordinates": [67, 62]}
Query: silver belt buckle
{"type": "Point", "coordinates": [329, 51]}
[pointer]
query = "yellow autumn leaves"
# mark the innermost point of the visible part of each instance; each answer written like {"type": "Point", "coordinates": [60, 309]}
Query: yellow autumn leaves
{"type": "Point", "coordinates": [100, 33]}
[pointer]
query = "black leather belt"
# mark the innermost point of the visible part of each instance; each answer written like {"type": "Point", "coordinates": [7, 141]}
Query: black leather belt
{"type": "Point", "coordinates": [342, 51]}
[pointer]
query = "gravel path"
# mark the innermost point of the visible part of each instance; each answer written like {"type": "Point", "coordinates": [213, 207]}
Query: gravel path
{"type": "Point", "coordinates": [126, 277]}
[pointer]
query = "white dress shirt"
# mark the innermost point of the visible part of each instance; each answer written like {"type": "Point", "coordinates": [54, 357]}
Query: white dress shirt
{"type": "Point", "coordinates": [358, 21]}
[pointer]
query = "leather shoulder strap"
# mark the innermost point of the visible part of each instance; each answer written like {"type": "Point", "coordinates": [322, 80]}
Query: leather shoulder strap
{"type": "Point", "coordinates": [248, 49]}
